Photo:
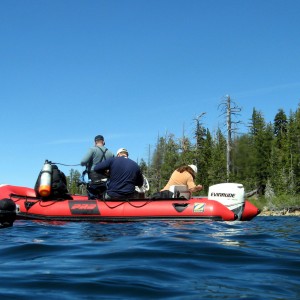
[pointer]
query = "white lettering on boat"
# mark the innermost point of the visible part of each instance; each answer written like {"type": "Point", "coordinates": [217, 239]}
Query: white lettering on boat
{"type": "Point", "coordinates": [222, 195]}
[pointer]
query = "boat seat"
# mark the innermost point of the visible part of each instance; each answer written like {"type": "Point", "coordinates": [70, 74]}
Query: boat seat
{"type": "Point", "coordinates": [180, 191]}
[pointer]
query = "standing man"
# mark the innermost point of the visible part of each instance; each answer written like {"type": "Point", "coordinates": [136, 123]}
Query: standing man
{"type": "Point", "coordinates": [96, 154]}
{"type": "Point", "coordinates": [124, 175]}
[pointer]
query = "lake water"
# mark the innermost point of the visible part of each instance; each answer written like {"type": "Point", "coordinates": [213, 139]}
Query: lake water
{"type": "Point", "coordinates": [259, 259]}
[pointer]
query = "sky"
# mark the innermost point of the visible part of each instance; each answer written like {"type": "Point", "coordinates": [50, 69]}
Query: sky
{"type": "Point", "coordinates": [134, 70]}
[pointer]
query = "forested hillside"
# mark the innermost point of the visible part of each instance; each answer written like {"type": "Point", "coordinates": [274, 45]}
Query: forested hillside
{"type": "Point", "coordinates": [266, 158]}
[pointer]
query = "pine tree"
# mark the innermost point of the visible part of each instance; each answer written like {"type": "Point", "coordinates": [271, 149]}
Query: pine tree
{"type": "Point", "coordinates": [293, 141]}
{"type": "Point", "coordinates": [171, 159]}
{"type": "Point", "coordinates": [280, 128]}
{"type": "Point", "coordinates": [243, 167]}
{"type": "Point", "coordinates": [217, 168]}
{"type": "Point", "coordinates": [72, 182]}
{"type": "Point", "coordinates": [205, 173]}
{"type": "Point", "coordinates": [261, 144]}
{"type": "Point", "coordinates": [156, 164]}
{"type": "Point", "coordinates": [199, 157]}
{"type": "Point", "coordinates": [279, 175]}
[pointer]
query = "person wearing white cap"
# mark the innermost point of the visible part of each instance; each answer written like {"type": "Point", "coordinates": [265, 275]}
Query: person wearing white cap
{"type": "Point", "coordinates": [122, 152]}
{"type": "Point", "coordinates": [124, 175]}
{"type": "Point", "coordinates": [184, 175]}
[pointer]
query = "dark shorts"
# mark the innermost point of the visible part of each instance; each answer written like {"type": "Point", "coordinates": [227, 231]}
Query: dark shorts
{"type": "Point", "coordinates": [97, 186]}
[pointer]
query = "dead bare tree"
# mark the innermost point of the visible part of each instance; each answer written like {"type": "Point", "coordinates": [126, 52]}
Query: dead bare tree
{"type": "Point", "coordinates": [229, 108]}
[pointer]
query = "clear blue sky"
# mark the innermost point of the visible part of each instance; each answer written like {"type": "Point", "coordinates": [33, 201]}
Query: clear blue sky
{"type": "Point", "coordinates": [134, 69]}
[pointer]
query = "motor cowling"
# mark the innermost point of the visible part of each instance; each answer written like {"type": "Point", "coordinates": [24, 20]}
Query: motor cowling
{"type": "Point", "coordinates": [44, 188]}
{"type": "Point", "coordinates": [231, 195]}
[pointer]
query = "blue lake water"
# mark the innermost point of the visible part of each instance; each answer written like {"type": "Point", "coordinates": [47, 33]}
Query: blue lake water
{"type": "Point", "coordinates": [259, 259]}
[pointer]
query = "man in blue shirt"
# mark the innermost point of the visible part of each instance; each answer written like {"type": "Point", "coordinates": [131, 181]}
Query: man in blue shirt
{"type": "Point", "coordinates": [124, 175]}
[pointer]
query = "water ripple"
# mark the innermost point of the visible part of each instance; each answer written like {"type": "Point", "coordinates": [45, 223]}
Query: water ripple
{"type": "Point", "coordinates": [151, 260]}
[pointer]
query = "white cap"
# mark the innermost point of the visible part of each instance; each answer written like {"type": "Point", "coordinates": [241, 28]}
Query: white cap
{"type": "Point", "coordinates": [194, 168]}
{"type": "Point", "coordinates": [122, 150]}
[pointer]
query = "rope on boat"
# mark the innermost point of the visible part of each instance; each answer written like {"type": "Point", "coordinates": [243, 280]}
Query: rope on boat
{"type": "Point", "coordinates": [122, 201]}
{"type": "Point", "coordinates": [61, 164]}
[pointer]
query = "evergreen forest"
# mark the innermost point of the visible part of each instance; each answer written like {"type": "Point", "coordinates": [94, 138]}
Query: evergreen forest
{"type": "Point", "coordinates": [265, 159]}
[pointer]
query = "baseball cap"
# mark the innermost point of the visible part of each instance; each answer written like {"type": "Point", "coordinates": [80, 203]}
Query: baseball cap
{"type": "Point", "coordinates": [194, 168]}
{"type": "Point", "coordinates": [99, 137]}
{"type": "Point", "coordinates": [122, 150]}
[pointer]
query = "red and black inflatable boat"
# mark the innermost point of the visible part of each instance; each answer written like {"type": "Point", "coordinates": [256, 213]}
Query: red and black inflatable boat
{"type": "Point", "coordinates": [225, 202]}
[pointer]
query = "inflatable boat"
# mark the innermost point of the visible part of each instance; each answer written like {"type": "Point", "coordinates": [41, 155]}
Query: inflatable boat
{"type": "Point", "coordinates": [225, 202]}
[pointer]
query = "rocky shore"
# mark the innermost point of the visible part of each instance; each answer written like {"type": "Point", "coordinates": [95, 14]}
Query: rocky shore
{"type": "Point", "coordinates": [294, 211]}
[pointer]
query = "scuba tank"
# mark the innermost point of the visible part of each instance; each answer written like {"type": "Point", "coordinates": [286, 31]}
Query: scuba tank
{"type": "Point", "coordinates": [44, 188]}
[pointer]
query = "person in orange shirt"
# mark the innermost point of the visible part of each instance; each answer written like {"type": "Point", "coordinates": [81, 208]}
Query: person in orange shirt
{"type": "Point", "coordinates": [184, 175]}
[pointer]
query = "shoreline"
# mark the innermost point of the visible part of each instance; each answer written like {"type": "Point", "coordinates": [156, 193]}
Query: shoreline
{"type": "Point", "coordinates": [291, 212]}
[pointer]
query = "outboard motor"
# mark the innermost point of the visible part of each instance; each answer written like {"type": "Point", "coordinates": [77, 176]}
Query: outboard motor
{"type": "Point", "coordinates": [231, 195]}
{"type": "Point", "coordinates": [8, 212]}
